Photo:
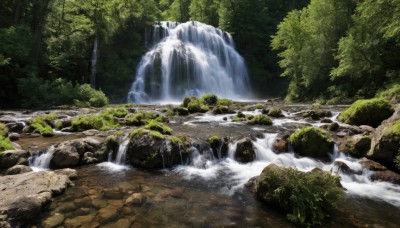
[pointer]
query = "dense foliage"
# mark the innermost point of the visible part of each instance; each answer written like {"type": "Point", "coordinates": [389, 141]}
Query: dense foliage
{"type": "Point", "coordinates": [332, 50]}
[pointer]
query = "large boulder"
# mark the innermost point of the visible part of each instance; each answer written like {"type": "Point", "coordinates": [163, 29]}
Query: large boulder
{"type": "Point", "coordinates": [312, 142]}
{"type": "Point", "coordinates": [292, 191]}
{"type": "Point", "coordinates": [244, 151]}
{"type": "Point", "coordinates": [386, 140]}
{"type": "Point", "coordinates": [14, 157]}
{"type": "Point", "coordinates": [24, 195]}
{"type": "Point", "coordinates": [380, 172]}
{"type": "Point", "coordinates": [18, 169]}
{"type": "Point", "coordinates": [72, 153]}
{"type": "Point", "coordinates": [356, 145]}
{"type": "Point", "coordinates": [367, 112]}
{"type": "Point", "coordinates": [147, 149]}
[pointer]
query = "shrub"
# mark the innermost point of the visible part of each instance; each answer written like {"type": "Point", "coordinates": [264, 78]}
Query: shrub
{"type": "Point", "coordinates": [306, 198]}
{"type": "Point", "coordinates": [261, 120]}
{"type": "Point", "coordinates": [3, 130]}
{"type": "Point", "coordinates": [312, 142]}
{"type": "Point", "coordinates": [209, 99]}
{"type": "Point", "coordinates": [391, 92]}
{"type": "Point", "coordinates": [90, 97]}
{"type": "Point", "coordinates": [367, 112]}
{"type": "Point", "coordinates": [5, 144]}
{"type": "Point", "coordinates": [157, 126]}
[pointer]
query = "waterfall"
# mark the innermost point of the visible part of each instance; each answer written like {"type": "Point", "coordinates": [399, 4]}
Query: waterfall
{"type": "Point", "coordinates": [189, 59]}
{"type": "Point", "coordinates": [121, 153]}
{"type": "Point", "coordinates": [93, 62]}
{"type": "Point", "coordinates": [41, 159]}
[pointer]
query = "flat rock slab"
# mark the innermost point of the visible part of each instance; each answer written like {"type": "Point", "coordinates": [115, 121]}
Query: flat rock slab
{"type": "Point", "coordinates": [22, 196]}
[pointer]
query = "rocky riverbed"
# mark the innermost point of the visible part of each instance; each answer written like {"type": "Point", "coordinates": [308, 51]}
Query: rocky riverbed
{"type": "Point", "coordinates": [185, 178]}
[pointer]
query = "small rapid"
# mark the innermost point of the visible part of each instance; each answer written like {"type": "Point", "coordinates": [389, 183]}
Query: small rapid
{"type": "Point", "coordinates": [237, 174]}
{"type": "Point", "coordinates": [117, 162]}
{"type": "Point", "coordinates": [40, 160]}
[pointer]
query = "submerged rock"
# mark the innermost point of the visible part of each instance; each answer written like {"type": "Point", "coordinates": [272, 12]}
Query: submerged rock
{"type": "Point", "coordinates": [24, 195]}
{"type": "Point", "coordinates": [245, 151]}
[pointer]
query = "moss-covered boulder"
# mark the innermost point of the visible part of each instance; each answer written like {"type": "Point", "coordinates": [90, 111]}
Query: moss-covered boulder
{"type": "Point", "coordinates": [367, 112]}
{"type": "Point", "coordinates": [316, 114]}
{"type": "Point", "coordinates": [42, 124]}
{"type": "Point", "coordinates": [275, 112]}
{"type": "Point", "coordinates": [245, 151]}
{"type": "Point", "coordinates": [306, 198]}
{"type": "Point", "coordinates": [182, 111]}
{"type": "Point", "coordinates": [356, 145]}
{"type": "Point", "coordinates": [219, 146]}
{"type": "Point", "coordinates": [209, 99]}
{"type": "Point", "coordinates": [260, 120]}
{"type": "Point", "coordinates": [312, 142]}
{"type": "Point", "coordinates": [5, 144]}
{"type": "Point", "coordinates": [222, 109]}
{"type": "Point", "coordinates": [152, 150]}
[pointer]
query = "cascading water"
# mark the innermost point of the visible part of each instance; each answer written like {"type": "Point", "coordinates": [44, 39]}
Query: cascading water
{"type": "Point", "coordinates": [238, 173]}
{"type": "Point", "coordinates": [189, 59]}
{"type": "Point", "coordinates": [117, 162]}
{"type": "Point", "coordinates": [41, 160]}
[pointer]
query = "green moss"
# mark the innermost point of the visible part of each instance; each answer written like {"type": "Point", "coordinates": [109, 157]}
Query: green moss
{"type": "Point", "coordinates": [238, 119]}
{"type": "Point", "coordinates": [259, 106]}
{"type": "Point", "coordinates": [58, 125]}
{"type": "Point", "coordinates": [162, 119]}
{"type": "Point", "coordinates": [306, 198]}
{"type": "Point", "coordinates": [120, 112]}
{"type": "Point", "coordinates": [171, 112]}
{"type": "Point", "coordinates": [261, 120]}
{"type": "Point", "coordinates": [142, 131]}
{"type": "Point", "coordinates": [42, 124]}
{"type": "Point", "coordinates": [156, 134]}
{"type": "Point", "coordinates": [224, 102]}
{"type": "Point", "coordinates": [194, 105]}
{"type": "Point", "coordinates": [209, 99]}
{"type": "Point", "coordinates": [133, 120]}
{"type": "Point", "coordinates": [3, 130]}
{"type": "Point", "coordinates": [391, 92]}
{"type": "Point", "coordinates": [182, 111]}
{"type": "Point", "coordinates": [214, 141]}
{"type": "Point", "coordinates": [367, 112]}
{"type": "Point", "coordinates": [157, 126]}
{"type": "Point", "coordinates": [186, 101]}
{"type": "Point", "coordinates": [312, 142]}
{"type": "Point", "coordinates": [142, 118]}
{"type": "Point", "coordinates": [275, 112]}
{"type": "Point", "coordinates": [5, 144]}
{"type": "Point", "coordinates": [249, 117]}
{"type": "Point", "coordinates": [221, 109]}
{"type": "Point", "coordinates": [103, 121]}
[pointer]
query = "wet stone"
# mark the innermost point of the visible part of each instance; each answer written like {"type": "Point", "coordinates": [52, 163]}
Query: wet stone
{"type": "Point", "coordinates": [113, 194]}
{"type": "Point", "coordinates": [83, 202]}
{"type": "Point", "coordinates": [136, 199]}
{"type": "Point", "coordinates": [79, 221]}
{"type": "Point", "coordinates": [98, 203]}
{"type": "Point", "coordinates": [107, 214]}
{"type": "Point", "coordinates": [54, 221]}
{"type": "Point", "coordinates": [66, 207]}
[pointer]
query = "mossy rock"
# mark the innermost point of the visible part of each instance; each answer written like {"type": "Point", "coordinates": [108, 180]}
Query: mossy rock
{"type": "Point", "coordinates": [357, 145]}
{"type": "Point", "coordinates": [312, 142]}
{"type": "Point", "coordinates": [224, 102]}
{"type": "Point", "coordinates": [259, 106]}
{"type": "Point", "coordinates": [307, 199]}
{"type": "Point", "coordinates": [160, 127]}
{"type": "Point", "coordinates": [5, 144]}
{"type": "Point", "coordinates": [209, 99]}
{"type": "Point", "coordinates": [260, 120]}
{"type": "Point", "coordinates": [367, 112]}
{"type": "Point", "coordinates": [244, 152]}
{"type": "Point", "coordinates": [221, 109]}
{"type": "Point", "coordinates": [42, 124]}
{"type": "Point", "coordinates": [186, 101]}
{"type": "Point", "coordinates": [275, 112]}
{"type": "Point", "coordinates": [3, 130]}
{"type": "Point", "coordinates": [219, 146]}
{"type": "Point", "coordinates": [182, 111]}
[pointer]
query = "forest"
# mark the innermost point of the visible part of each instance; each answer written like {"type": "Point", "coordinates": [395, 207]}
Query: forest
{"type": "Point", "coordinates": [333, 51]}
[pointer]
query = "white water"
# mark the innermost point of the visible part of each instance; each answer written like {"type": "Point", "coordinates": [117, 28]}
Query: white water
{"type": "Point", "coordinates": [238, 174]}
{"type": "Point", "coordinates": [119, 163]}
{"type": "Point", "coordinates": [41, 162]}
{"type": "Point", "coordinates": [189, 59]}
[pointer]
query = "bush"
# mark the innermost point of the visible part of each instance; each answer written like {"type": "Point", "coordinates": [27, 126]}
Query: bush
{"type": "Point", "coordinates": [367, 112]}
{"type": "Point", "coordinates": [209, 99]}
{"type": "Point", "coordinates": [306, 198]}
{"type": "Point", "coordinates": [312, 142]}
{"type": "Point", "coordinates": [157, 126]}
{"type": "Point", "coordinates": [261, 120]}
{"type": "Point", "coordinates": [5, 144]}
{"type": "Point", "coordinates": [37, 92]}
{"type": "Point", "coordinates": [3, 130]}
{"type": "Point", "coordinates": [391, 92]}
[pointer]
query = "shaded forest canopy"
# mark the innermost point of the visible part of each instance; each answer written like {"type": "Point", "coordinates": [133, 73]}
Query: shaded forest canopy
{"type": "Point", "coordinates": [332, 50]}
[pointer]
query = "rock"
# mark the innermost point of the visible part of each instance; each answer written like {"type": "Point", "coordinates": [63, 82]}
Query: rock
{"type": "Point", "coordinates": [71, 153]}
{"type": "Point", "coordinates": [18, 169]}
{"type": "Point", "coordinates": [356, 145]}
{"type": "Point", "coordinates": [381, 173]}
{"type": "Point", "coordinates": [14, 136]}
{"type": "Point", "coordinates": [312, 142]}
{"type": "Point", "coordinates": [367, 112]}
{"type": "Point", "coordinates": [280, 146]}
{"type": "Point", "coordinates": [149, 151]}
{"type": "Point", "coordinates": [341, 134]}
{"type": "Point", "coordinates": [24, 195]}
{"type": "Point", "coordinates": [91, 132]}
{"type": "Point", "coordinates": [54, 220]}
{"type": "Point", "coordinates": [371, 165]}
{"type": "Point", "coordinates": [16, 127]}
{"type": "Point", "coordinates": [182, 111]}
{"type": "Point", "coordinates": [244, 151]}
{"type": "Point", "coordinates": [341, 167]}
{"type": "Point", "coordinates": [72, 174]}
{"type": "Point", "coordinates": [316, 115]}
{"type": "Point", "coordinates": [113, 194]}
{"type": "Point", "coordinates": [251, 184]}
{"type": "Point", "coordinates": [325, 120]}
{"type": "Point", "coordinates": [367, 129]}
{"type": "Point", "coordinates": [89, 158]}
{"type": "Point", "coordinates": [99, 203]}
{"type": "Point", "coordinates": [219, 146]}
{"type": "Point", "coordinates": [386, 141]}
{"type": "Point", "coordinates": [80, 221]}
{"type": "Point", "coordinates": [275, 112]}
{"type": "Point", "coordinates": [136, 199]}
{"type": "Point", "coordinates": [14, 157]}
{"type": "Point", "coordinates": [333, 126]}
{"type": "Point", "coordinates": [107, 214]}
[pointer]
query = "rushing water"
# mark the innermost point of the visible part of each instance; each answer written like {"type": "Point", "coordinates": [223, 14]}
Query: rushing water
{"type": "Point", "coordinates": [40, 160]}
{"type": "Point", "coordinates": [189, 59]}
